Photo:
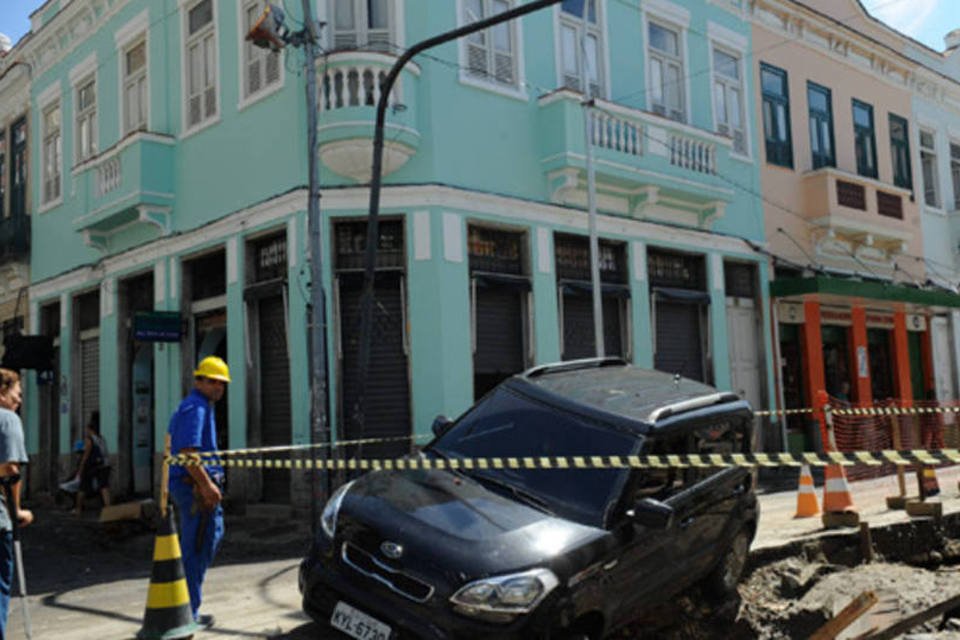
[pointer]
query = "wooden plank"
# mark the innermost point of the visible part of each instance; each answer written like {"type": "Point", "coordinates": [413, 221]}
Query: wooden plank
{"type": "Point", "coordinates": [911, 621]}
{"type": "Point", "coordinates": [857, 607]}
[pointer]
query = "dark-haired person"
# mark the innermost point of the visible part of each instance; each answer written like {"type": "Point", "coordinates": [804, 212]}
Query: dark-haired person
{"type": "Point", "coordinates": [13, 453]}
{"type": "Point", "coordinates": [94, 469]}
{"type": "Point", "coordinates": [197, 489]}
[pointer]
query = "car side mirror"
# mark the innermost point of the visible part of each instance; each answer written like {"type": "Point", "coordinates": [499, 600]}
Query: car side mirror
{"type": "Point", "coordinates": [652, 514]}
{"type": "Point", "coordinates": [441, 424]}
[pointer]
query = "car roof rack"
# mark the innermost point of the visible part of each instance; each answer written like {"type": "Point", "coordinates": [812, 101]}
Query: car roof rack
{"type": "Point", "coordinates": [574, 365]}
{"type": "Point", "coordinates": [690, 404]}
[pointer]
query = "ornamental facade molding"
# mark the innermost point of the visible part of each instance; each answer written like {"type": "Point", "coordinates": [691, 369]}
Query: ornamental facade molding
{"type": "Point", "coordinates": [795, 23]}
{"type": "Point", "coordinates": [65, 31]}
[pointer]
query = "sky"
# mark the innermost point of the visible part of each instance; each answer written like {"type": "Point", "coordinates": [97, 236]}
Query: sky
{"type": "Point", "coordinates": [924, 20]}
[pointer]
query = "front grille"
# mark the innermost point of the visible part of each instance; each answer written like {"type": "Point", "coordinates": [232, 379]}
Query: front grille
{"type": "Point", "coordinates": [365, 563]}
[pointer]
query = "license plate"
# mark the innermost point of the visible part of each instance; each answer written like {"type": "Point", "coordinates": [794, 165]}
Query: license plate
{"type": "Point", "coordinates": [357, 624]}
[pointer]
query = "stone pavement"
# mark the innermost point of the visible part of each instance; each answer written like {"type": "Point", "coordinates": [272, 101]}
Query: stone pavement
{"type": "Point", "coordinates": [88, 585]}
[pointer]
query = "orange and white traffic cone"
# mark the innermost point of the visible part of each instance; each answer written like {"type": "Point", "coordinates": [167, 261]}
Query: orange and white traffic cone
{"type": "Point", "coordinates": [838, 509]}
{"type": "Point", "coordinates": [807, 505]}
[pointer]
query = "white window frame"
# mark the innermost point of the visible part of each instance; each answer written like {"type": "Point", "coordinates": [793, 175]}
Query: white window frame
{"type": "Point", "coordinates": [212, 30]}
{"type": "Point", "coordinates": [675, 18]}
{"type": "Point", "coordinates": [49, 100]}
{"type": "Point", "coordinates": [517, 89]}
{"type": "Point", "coordinates": [132, 83]}
{"type": "Point", "coordinates": [599, 31]}
{"type": "Point", "coordinates": [126, 38]}
{"type": "Point", "coordinates": [249, 55]}
{"type": "Point", "coordinates": [932, 152]}
{"type": "Point", "coordinates": [736, 45]}
{"type": "Point", "coordinates": [84, 118]}
{"type": "Point", "coordinates": [397, 24]}
{"type": "Point", "coordinates": [954, 144]}
{"type": "Point", "coordinates": [394, 11]}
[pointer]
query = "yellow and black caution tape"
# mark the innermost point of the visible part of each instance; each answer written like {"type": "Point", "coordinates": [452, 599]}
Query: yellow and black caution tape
{"type": "Point", "coordinates": [713, 460]}
{"type": "Point", "coordinates": [892, 411]}
{"type": "Point", "coordinates": [782, 412]}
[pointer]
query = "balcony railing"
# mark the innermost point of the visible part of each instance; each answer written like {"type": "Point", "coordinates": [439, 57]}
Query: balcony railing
{"type": "Point", "coordinates": [690, 153]}
{"type": "Point", "coordinates": [350, 87]}
{"type": "Point", "coordinates": [853, 205]}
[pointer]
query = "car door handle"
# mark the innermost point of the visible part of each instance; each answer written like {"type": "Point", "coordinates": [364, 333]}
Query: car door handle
{"type": "Point", "coordinates": [686, 522]}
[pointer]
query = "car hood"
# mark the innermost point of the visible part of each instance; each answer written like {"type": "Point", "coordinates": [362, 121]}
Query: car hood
{"type": "Point", "coordinates": [448, 522]}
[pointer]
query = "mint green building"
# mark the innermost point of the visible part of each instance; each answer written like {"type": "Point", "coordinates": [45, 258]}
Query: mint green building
{"type": "Point", "coordinates": [168, 174]}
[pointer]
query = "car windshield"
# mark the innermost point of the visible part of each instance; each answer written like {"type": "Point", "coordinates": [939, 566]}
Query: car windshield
{"type": "Point", "coordinates": [509, 424]}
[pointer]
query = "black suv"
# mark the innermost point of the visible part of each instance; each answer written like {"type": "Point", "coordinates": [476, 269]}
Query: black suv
{"type": "Point", "coordinates": [525, 553]}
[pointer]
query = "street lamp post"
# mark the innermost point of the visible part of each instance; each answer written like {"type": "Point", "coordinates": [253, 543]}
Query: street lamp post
{"type": "Point", "coordinates": [366, 308]}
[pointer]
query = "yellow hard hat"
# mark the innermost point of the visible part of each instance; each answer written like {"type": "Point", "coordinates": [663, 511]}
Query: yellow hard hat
{"type": "Point", "coordinates": [212, 367]}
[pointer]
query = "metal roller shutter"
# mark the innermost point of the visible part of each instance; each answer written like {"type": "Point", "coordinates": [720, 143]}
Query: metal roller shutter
{"type": "Point", "coordinates": [578, 339]}
{"type": "Point", "coordinates": [679, 342]}
{"type": "Point", "coordinates": [89, 378]}
{"type": "Point", "coordinates": [499, 335]}
{"type": "Point", "coordinates": [274, 392]}
{"type": "Point", "coordinates": [387, 398]}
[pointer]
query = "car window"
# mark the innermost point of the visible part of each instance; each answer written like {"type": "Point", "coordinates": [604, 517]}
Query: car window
{"type": "Point", "coordinates": [723, 437]}
{"type": "Point", "coordinates": [507, 423]}
{"type": "Point", "coordinates": [661, 483]}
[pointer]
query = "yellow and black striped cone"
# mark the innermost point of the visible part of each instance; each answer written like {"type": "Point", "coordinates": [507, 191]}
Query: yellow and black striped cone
{"type": "Point", "coordinates": [168, 615]}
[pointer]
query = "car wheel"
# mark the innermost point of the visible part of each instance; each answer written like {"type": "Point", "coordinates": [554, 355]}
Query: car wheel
{"type": "Point", "coordinates": [722, 581]}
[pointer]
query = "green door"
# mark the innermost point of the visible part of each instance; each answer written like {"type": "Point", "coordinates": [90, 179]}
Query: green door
{"type": "Point", "coordinates": [914, 342]}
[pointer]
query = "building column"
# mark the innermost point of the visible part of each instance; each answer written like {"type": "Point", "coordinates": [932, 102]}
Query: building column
{"type": "Point", "coordinates": [718, 324]}
{"type": "Point", "coordinates": [548, 343]}
{"type": "Point", "coordinates": [861, 358]}
{"type": "Point", "coordinates": [901, 360]}
{"type": "Point", "coordinates": [109, 365]}
{"type": "Point", "coordinates": [926, 354]}
{"type": "Point", "coordinates": [813, 360]}
{"type": "Point", "coordinates": [236, 343]}
{"type": "Point", "coordinates": [642, 331]}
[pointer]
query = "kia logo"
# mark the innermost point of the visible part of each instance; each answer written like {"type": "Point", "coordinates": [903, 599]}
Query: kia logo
{"type": "Point", "coordinates": [391, 550]}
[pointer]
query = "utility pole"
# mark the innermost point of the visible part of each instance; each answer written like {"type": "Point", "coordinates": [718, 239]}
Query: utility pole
{"type": "Point", "coordinates": [366, 301]}
{"type": "Point", "coordinates": [319, 429]}
{"type": "Point", "coordinates": [591, 190]}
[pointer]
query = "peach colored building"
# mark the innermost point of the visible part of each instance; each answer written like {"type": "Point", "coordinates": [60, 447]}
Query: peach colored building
{"type": "Point", "coordinates": [840, 192]}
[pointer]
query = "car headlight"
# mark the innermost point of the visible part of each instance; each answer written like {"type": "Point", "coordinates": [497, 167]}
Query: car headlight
{"type": "Point", "coordinates": [500, 598]}
{"type": "Point", "coordinates": [328, 519]}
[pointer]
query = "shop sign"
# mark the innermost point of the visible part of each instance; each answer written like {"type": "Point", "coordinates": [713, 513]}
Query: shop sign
{"type": "Point", "coordinates": [916, 322]}
{"type": "Point", "coordinates": [836, 316]}
{"type": "Point", "coordinates": [879, 320]}
{"type": "Point", "coordinates": [790, 312]}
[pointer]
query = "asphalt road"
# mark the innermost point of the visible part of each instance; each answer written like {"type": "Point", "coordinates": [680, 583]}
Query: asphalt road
{"type": "Point", "coordinates": [89, 584]}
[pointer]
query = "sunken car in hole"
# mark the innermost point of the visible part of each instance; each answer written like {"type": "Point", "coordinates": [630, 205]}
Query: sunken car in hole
{"type": "Point", "coordinates": [505, 552]}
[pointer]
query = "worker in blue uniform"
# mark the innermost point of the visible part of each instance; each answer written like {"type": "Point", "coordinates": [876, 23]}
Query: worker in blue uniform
{"type": "Point", "coordinates": [197, 490]}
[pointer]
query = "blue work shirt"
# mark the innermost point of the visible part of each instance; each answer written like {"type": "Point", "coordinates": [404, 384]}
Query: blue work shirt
{"type": "Point", "coordinates": [193, 426]}
{"type": "Point", "coordinates": [12, 449]}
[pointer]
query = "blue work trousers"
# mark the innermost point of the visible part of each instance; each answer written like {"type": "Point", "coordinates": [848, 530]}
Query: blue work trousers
{"type": "Point", "coordinates": [6, 578]}
{"type": "Point", "coordinates": [197, 552]}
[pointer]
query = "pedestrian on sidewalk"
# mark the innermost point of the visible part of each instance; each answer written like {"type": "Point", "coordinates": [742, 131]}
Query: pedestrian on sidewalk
{"type": "Point", "coordinates": [94, 469]}
{"type": "Point", "coordinates": [197, 490]}
{"type": "Point", "coordinates": [13, 453]}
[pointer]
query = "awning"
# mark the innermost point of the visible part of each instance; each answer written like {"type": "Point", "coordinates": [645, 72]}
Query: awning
{"type": "Point", "coordinates": [505, 280]}
{"type": "Point", "coordinates": [888, 291]}
{"type": "Point", "coordinates": [584, 287]}
{"type": "Point", "coordinates": [682, 295]}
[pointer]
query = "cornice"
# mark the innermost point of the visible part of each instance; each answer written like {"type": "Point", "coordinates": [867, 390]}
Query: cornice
{"type": "Point", "coordinates": [14, 96]}
{"type": "Point", "coordinates": [800, 24]}
{"type": "Point", "coordinates": [66, 30]}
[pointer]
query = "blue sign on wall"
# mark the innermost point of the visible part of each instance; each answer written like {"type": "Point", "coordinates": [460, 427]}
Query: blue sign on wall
{"type": "Point", "coordinates": [157, 326]}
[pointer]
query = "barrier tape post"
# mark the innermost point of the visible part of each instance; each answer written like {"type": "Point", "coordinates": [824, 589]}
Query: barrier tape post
{"type": "Point", "coordinates": [900, 501]}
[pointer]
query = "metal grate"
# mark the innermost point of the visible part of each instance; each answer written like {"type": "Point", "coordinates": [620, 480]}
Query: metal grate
{"type": "Point", "coordinates": [351, 245]}
{"type": "Point", "coordinates": [399, 582]}
{"type": "Point", "coordinates": [573, 259]}
{"type": "Point", "coordinates": [270, 258]}
{"type": "Point", "coordinates": [208, 276]}
{"type": "Point", "coordinates": [851, 195]}
{"type": "Point", "coordinates": [684, 271]}
{"type": "Point", "coordinates": [495, 251]}
{"type": "Point", "coordinates": [740, 279]}
{"type": "Point", "coordinates": [889, 205]}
